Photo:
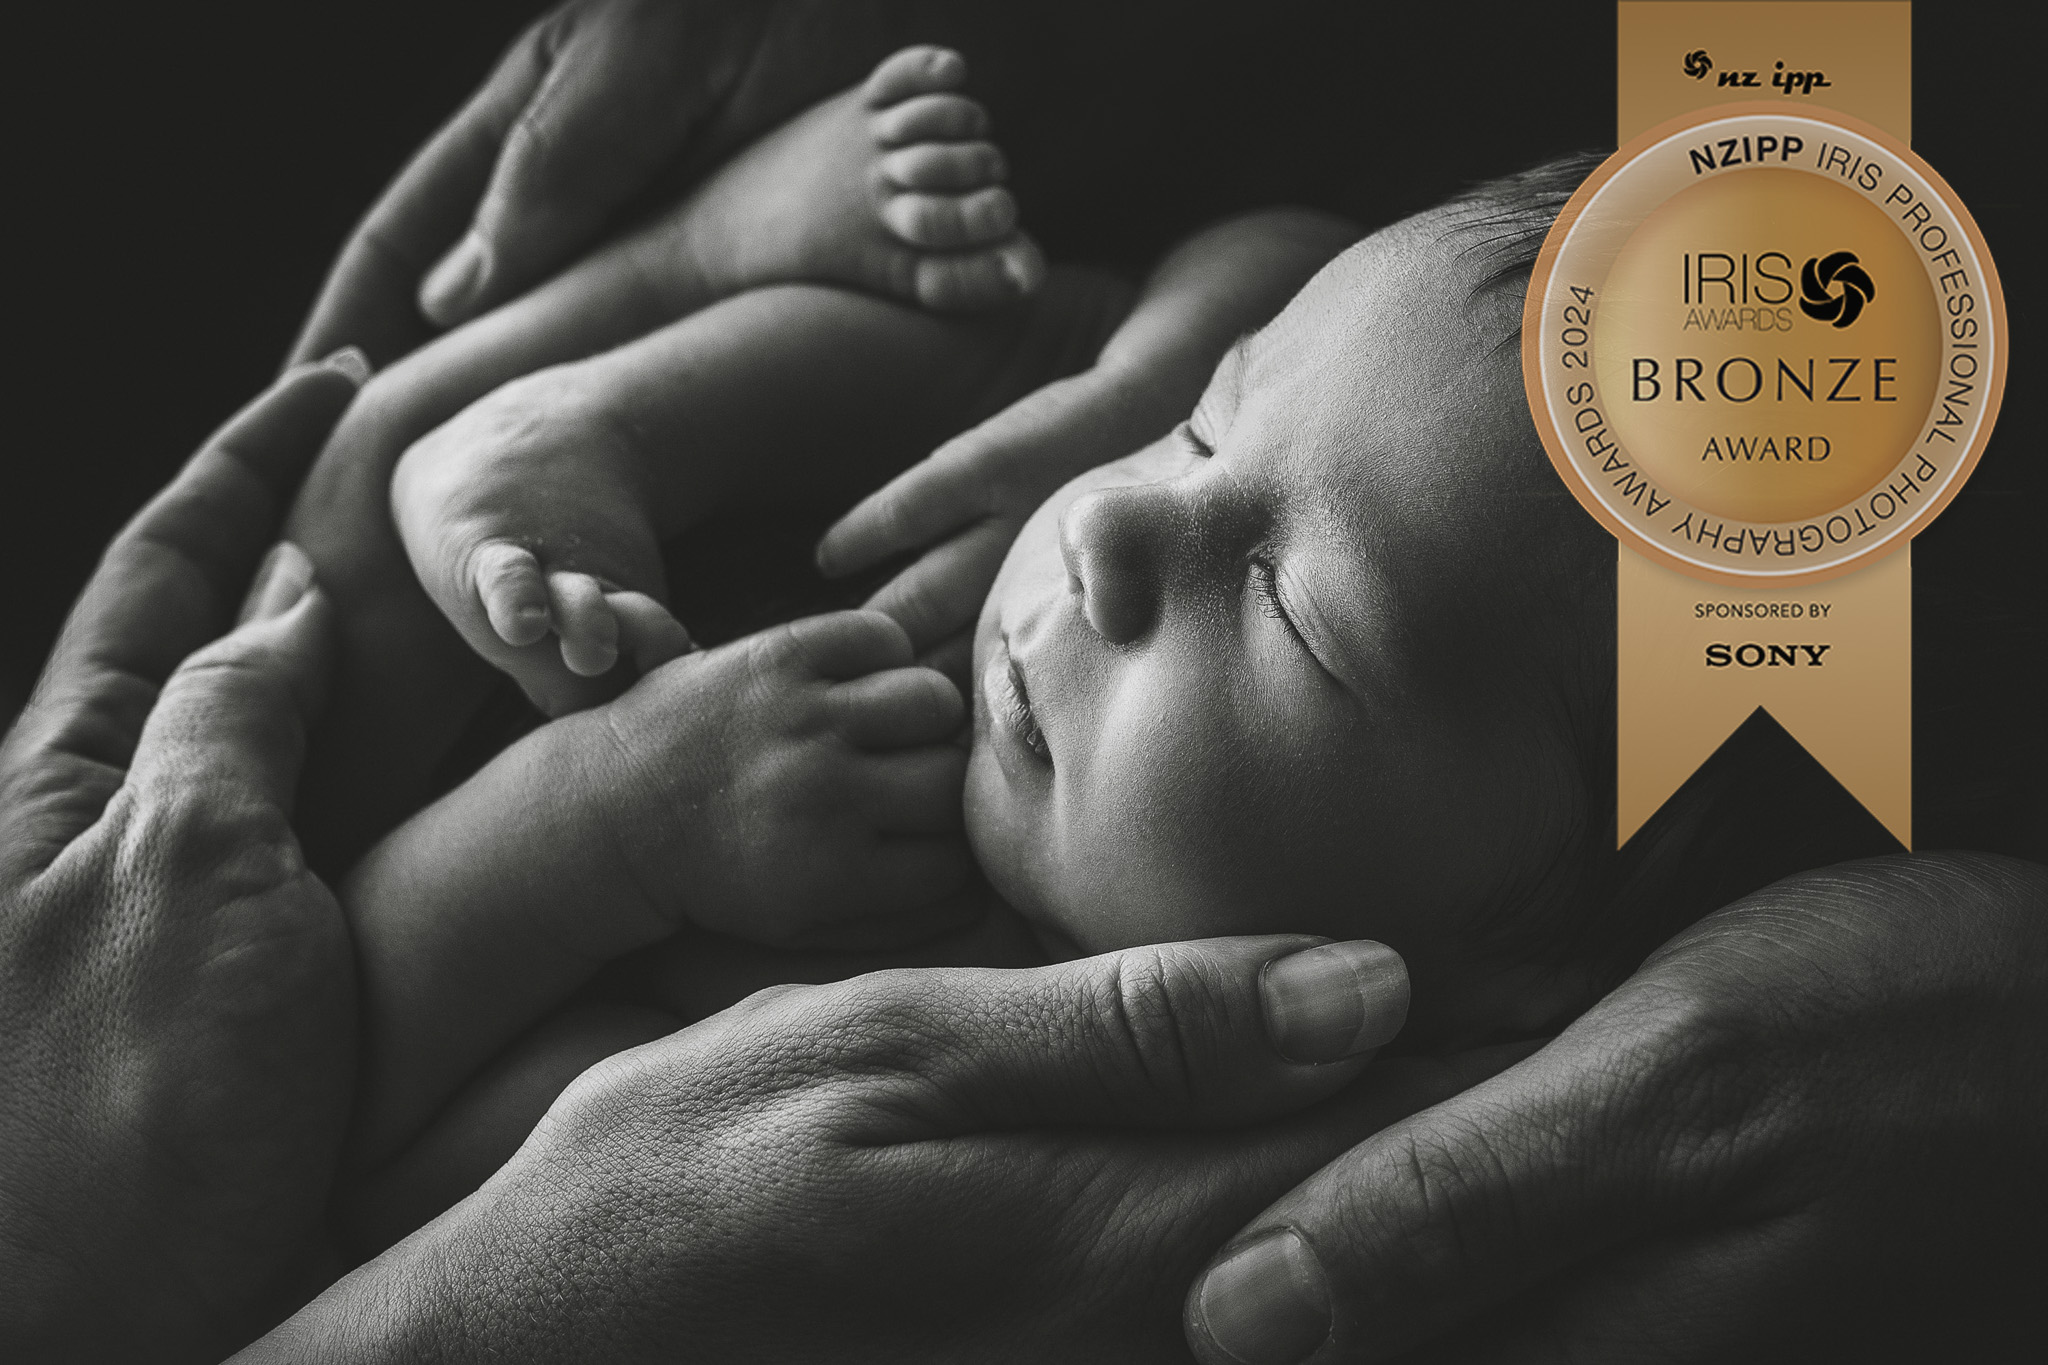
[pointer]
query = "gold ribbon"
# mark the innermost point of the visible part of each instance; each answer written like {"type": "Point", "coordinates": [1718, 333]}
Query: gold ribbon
{"type": "Point", "coordinates": [1849, 704]}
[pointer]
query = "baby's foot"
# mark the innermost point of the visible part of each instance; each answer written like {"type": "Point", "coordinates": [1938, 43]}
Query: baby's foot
{"type": "Point", "coordinates": [525, 523]}
{"type": "Point", "coordinates": [892, 186]}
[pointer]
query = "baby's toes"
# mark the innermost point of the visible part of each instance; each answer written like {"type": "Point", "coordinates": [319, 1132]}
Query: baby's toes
{"type": "Point", "coordinates": [589, 631]}
{"type": "Point", "coordinates": [930, 118]}
{"type": "Point", "coordinates": [513, 590]}
{"type": "Point", "coordinates": [913, 71]}
{"type": "Point", "coordinates": [944, 166]}
{"type": "Point", "coordinates": [967, 280]}
{"type": "Point", "coordinates": [948, 222]}
{"type": "Point", "coordinates": [898, 709]}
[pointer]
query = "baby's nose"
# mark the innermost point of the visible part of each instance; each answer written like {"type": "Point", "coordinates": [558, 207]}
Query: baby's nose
{"type": "Point", "coordinates": [1110, 541]}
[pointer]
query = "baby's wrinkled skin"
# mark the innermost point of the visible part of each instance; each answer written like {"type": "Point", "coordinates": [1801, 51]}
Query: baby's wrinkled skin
{"type": "Point", "coordinates": [1324, 660]}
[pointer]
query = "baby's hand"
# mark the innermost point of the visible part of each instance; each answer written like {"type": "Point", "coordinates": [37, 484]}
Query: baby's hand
{"type": "Point", "coordinates": [965, 503]}
{"type": "Point", "coordinates": [814, 787]}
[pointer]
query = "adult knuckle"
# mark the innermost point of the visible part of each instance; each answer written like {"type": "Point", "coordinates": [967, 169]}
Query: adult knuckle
{"type": "Point", "coordinates": [1693, 1072]}
{"type": "Point", "coordinates": [1160, 1008]}
{"type": "Point", "coordinates": [1449, 1183]}
{"type": "Point", "coordinates": [885, 1021]}
{"type": "Point", "coordinates": [187, 831]}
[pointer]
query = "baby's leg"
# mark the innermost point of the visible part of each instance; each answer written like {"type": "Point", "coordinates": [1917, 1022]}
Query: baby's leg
{"type": "Point", "coordinates": [889, 187]}
{"type": "Point", "coordinates": [773, 381]}
{"type": "Point", "coordinates": [800, 786]}
{"type": "Point", "coordinates": [537, 506]}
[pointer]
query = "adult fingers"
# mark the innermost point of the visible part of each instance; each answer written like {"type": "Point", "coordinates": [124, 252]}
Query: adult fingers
{"type": "Point", "coordinates": [227, 735]}
{"type": "Point", "coordinates": [625, 87]}
{"type": "Point", "coordinates": [942, 593]}
{"type": "Point", "coordinates": [928, 500]}
{"type": "Point", "coordinates": [169, 583]}
{"type": "Point", "coordinates": [1599, 1138]}
{"type": "Point", "coordinates": [1222, 1031]}
{"type": "Point", "coordinates": [368, 298]}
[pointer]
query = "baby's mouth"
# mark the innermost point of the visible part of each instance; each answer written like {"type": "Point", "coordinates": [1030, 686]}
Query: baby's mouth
{"type": "Point", "coordinates": [1008, 697]}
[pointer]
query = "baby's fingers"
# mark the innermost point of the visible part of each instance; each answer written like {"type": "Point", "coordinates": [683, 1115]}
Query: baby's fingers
{"type": "Point", "coordinates": [898, 709]}
{"type": "Point", "coordinates": [589, 631]}
{"type": "Point", "coordinates": [924, 502]}
{"type": "Point", "coordinates": [914, 791]}
{"type": "Point", "coordinates": [514, 591]}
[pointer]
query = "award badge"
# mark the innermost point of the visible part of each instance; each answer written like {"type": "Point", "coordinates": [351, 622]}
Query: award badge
{"type": "Point", "coordinates": [1764, 345]}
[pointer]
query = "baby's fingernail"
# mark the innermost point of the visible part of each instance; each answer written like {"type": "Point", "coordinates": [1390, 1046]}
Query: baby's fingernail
{"type": "Point", "coordinates": [451, 287]}
{"type": "Point", "coordinates": [1267, 1303]}
{"type": "Point", "coordinates": [281, 581]}
{"type": "Point", "coordinates": [351, 361]}
{"type": "Point", "coordinates": [1335, 1001]}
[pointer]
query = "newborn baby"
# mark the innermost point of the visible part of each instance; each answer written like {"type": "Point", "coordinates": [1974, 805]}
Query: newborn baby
{"type": "Point", "coordinates": [1328, 658]}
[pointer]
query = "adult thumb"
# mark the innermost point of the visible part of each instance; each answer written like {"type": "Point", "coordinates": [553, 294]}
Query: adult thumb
{"type": "Point", "coordinates": [620, 95]}
{"type": "Point", "coordinates": [229, 728]}
{"type": "Point", "coordinates": [1435, 1220]}
{"type": "Point", "coordinates": [1218, 1032]}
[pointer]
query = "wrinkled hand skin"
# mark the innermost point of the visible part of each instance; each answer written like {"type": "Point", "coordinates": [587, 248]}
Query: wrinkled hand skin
{"type": "Point", "coordinates": [176, 988]}
{"type": "Point", "coordinates": [932, 1165]}
{"type": "Point", "coordinates": [1810, 1127]}
{"type": "Point", "coordinates": [200, 976]}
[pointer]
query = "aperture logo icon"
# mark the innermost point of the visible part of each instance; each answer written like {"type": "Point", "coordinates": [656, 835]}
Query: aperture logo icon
{"type": "Point", "coordinates": [1816, 284]}
{"type": "Point", "coordinates": [1698, 64]}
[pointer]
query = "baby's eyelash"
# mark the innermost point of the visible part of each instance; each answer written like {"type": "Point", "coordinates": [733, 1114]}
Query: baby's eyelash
{"type": "Point", "coordinates": [1186, 432]}
{"type": "Point", "coordinates": [1266, 582]}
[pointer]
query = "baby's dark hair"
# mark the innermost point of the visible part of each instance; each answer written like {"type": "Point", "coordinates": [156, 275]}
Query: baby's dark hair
{"type": "Point", "coordinates": [1511, 214]}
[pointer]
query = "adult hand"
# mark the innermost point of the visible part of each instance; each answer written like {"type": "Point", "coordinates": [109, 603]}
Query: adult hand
{"type": "Point", "coordinates": [1810, 1127]}
{"type": "Point", "coordinates": [176, 995]}
{"type": "Point", "coordinates": [591, 106]}
{"type": "Point", "coordinates": [964, 504]}
{"type": "Point", "coordinates": [925, 1165]}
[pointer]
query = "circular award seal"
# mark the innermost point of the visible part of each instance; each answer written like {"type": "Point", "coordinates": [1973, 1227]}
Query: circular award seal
{"type": "Point", "coordinates": [1764, 348]}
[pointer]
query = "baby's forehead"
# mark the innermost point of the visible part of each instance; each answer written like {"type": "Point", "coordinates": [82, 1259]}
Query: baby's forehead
{"type": "Point", "coordinates": [1385, 405]}
{"type": "Point", "coordinates": [1414, 292]}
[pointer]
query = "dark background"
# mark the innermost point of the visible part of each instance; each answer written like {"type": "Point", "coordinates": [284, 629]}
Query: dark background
{"type": "Point", "coordinates": [184, 174]}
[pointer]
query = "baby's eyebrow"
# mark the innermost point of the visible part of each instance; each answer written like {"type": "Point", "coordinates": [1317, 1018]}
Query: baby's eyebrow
{"type": "Point", "coordinates": [1237, 362]}
{"type": "Point", "coordinates": [1241, 349]}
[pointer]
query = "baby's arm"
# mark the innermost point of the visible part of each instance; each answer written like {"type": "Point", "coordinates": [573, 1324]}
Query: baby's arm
{"type": "Point", "coordinates": [801, 786]}
{"type": "Point", "coordinates": [968, 500]}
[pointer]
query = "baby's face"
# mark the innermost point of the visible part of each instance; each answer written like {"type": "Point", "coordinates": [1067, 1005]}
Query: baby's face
{"type": "Point", "coordinates": [1307, 664]}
